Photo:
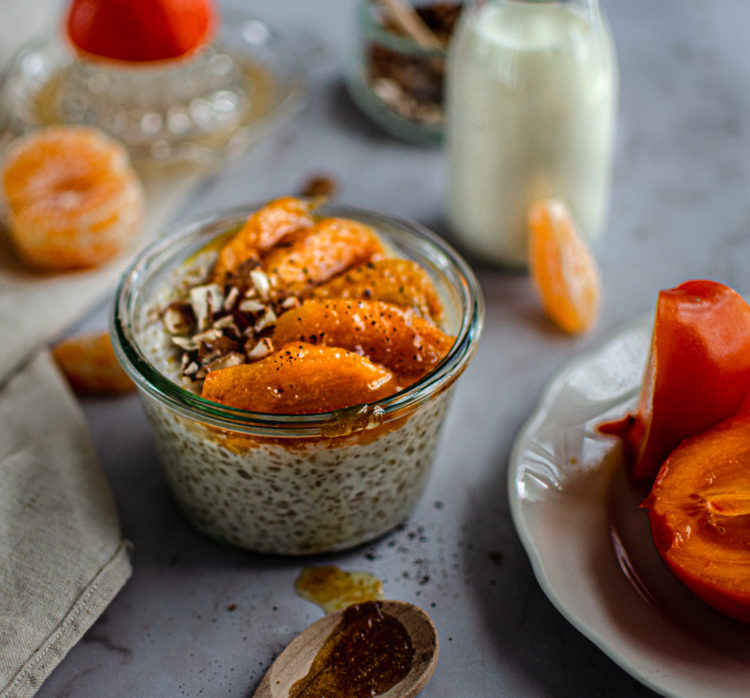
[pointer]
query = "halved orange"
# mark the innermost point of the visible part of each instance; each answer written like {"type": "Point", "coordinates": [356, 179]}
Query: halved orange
{"type": "Point", "coordinates": [563, 270]}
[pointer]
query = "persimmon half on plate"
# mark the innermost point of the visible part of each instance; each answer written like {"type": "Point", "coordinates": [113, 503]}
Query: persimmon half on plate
{"type": "Point", "coordinates": [699, 511]}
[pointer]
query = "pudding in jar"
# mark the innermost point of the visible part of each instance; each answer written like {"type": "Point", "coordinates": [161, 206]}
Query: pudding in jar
{"type": "Point", "coordinates": [296, 366]}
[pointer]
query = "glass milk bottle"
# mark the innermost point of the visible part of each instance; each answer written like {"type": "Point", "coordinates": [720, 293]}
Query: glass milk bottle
{"type": "Point", "coordinates": [532, 99]}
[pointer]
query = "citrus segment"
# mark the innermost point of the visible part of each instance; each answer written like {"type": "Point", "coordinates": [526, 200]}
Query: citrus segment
{"type": "Point", "coordinates": [140, 30]}
{"type": "Point", "coordinates": [89, 363]}
{"type": "Point", "coordinates": [563, 271]}
{"type": "Point", "coordinates": [71, 197]}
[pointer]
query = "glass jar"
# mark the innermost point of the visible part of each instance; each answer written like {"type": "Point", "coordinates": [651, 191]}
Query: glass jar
{"type": "Point", "coordinates": [531, 101]}
{"type": "Point", "coordinates": [396, 81]}
{"type": "Point", "coordinates": [292, 484]}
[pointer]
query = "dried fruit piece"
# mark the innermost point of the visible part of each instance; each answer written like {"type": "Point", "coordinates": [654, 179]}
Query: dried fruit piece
{"type": "Point", "coordinates": [397, 338]}
{"type": "Point", "coordinates": [73, 200]}
{"type": "Point", "coordinates": [90, 365]}
{"type": "Point", "coordinates": [300, 379]}
{"type": "Point", "coordinates": [140, 30]}
{"type": "Point", "coordinates": [698, 372]}
{"type": "Point", "coordinates": [397, 281]}
{"type": "Point", "coordinates": [699, 510]}
{"type": "Point", "coordinates": [262, 230]}
{"type": "Point", "coordinates": [330, 247]}
{"type": "Point", "coordinates": [563, 271]}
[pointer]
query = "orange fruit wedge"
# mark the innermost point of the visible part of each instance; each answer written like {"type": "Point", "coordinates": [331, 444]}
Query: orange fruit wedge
{"type": "Point", "coordinates": [562, 268]}
{"type": "Point", "coordinates": [71, 197]}
{"type": "Point", "coordinates": [89, 363]}
{"type": "Point", "coordinates": [140, 30]}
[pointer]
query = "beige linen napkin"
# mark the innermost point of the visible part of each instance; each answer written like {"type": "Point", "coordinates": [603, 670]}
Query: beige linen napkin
{"type": "Point", "coordinates": [62, 556]}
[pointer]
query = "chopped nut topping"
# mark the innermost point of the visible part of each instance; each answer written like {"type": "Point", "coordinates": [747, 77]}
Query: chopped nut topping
{"type": "Point", "coordinates": [231, 299]}
{"type": "Point", "coordinates": [261, 282]}
{"type": "Point", "coordinates": [206, 300]}
{"type": "Point", "coordinates": [186, 343]}
{"type": "Point", "coordinates": [290, 302]}
{"type": "Point", "coordinates": [251, 306]}
{"type": "Point", "coordinates": [178, 318]}
{"type": "Point", "coordinates": [268, 319]}
{"type": "Point", "coordinates": [261, 349]}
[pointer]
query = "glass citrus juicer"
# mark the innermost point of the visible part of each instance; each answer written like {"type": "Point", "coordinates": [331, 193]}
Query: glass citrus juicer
{"type": "Point", "coordinates": [172, 81]}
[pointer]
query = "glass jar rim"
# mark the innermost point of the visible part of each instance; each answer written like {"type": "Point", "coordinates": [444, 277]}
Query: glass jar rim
{"type": "Point", "coordinates": [339, 422]}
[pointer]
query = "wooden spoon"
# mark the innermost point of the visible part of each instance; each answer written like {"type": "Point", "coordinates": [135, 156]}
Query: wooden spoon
{"type": "Point", "coordinates": [295, 661]}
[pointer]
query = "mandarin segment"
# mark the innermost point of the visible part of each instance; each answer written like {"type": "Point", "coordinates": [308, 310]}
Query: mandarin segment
{"type": "Point", "coordinates": [263, 230]}
{"type": "Point", "coordinates": [563, 271]}
{"type": "Point", "coordinates": [89, 363]}
{"type": "Point", "coordinates": [330, 247]}
{"type": "Point", "coordinates": [71, 197]}
{"type": "Point", "coordinates": [300, 378]}
{"type": "Point", "coordinates": [397, 281]}
{"type": "Point", "coordinates": [387, 334]}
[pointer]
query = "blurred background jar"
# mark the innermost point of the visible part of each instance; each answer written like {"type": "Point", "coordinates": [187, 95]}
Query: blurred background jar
{"type": "Point", "coordinates": [531, 107]}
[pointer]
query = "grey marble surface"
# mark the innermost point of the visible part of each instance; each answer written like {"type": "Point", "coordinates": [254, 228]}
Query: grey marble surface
{"type": "Point", "coordinates": [680, 209]}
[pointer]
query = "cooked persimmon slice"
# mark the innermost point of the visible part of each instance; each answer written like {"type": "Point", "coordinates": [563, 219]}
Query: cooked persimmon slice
{"type": "Point", "coordinates": [89, 363]}
{"type": "Point", "coordinates": [397, 281]}
{"type": "Point", "coordinates": [300, 378]}
{"type": "Point", "coordinates": [699, 511]}
{"type": "Point", "coordinates": [562, 268]}
{"type": "Point", "coordinates": [72, 198]}
{"type": "Point", "coordinates": [262, 230]}
{"type": "Point", "coordinates": [389, 335]}
{"type": "Point", "coordinates": [330, 247]}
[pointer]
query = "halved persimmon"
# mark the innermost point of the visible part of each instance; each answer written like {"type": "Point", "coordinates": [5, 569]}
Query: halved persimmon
{"type": "Point", "coordinates": [89, 363]}
{"type": "Point", "coordinates": [140, 30]}
{"type": "Point", "coordinates": [300, 379]}
{"type": "Point", "coordinates": [698, 372]}
{"type": "Point", "coordinates": [395, 337]}
{"type": "Point", "coordinates": [699, 511]}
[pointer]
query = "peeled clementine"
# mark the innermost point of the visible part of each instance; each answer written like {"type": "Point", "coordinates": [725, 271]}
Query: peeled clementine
{"type": "Point", "coordinates": [140, 30]}
{"type": "Point", "coordinates": [699, 511]}
{"type": "Point", "coordinates": [698, 372]}
{"type": "Point", "coordinates": [562, 269]}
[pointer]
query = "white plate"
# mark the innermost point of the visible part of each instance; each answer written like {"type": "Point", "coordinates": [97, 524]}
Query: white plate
{"type": "Point", "coordinates": [590, 545]}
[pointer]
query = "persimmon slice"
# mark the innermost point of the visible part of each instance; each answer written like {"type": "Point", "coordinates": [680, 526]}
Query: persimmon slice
{"type": "Point", "coordinates": [699, 511]}
{"type": "Point", "coordinates": [262, 230]}
{"type": "Point", "coordinates": [387, 334]}
{"type": "Point", "coordinates": [563, 270]}
{"type": "Point", "coordinates": [140, 30]}
{"type": "Point", "coordinates": [330, 247]}
{"type": "Point", "coordinates": [698, 372]}
{"type": "Point", "coordinates": [397, 281]}
{"type": "Point", "coordinates": [300, 378]}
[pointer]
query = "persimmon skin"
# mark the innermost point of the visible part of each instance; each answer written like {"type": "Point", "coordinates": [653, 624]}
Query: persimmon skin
{"type": "Point", "coordinates": [395, 337]}
{"type": "Point", "coordinates": [300, 378]}
{"type": "Point", "coordinates": [699, 511]}
{"type": "Point", "coordinates": [698, 373]}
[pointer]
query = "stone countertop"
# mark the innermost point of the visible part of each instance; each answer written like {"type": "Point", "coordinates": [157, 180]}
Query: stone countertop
{"type": "Point", "coordinates": [199, 619]}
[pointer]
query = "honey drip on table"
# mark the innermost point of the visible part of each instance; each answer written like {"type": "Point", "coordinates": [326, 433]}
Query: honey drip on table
{"type": "Point", "coordinates": [367, 653]}
{"type": "Point", "coordinates": [333, 589]}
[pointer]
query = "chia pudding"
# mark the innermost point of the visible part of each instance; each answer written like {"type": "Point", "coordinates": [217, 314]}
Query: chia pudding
{"type": "Point", "coordinates": [298, 483]}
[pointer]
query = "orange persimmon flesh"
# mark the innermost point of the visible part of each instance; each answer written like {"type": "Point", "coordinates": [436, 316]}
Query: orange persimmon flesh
{"type": "Point", "coordinates": [562, 268]}
{"type": "Point", "coordinates": [140, 30]}
{"type": "Point", "coordinates": [262, 231]}
{"type": "Point", "coordinates": [301, 378]}
{"type": "Point", "coordinates": [89, 363]}
{"type": "Point", "coordinates": [330, 247]}
{"type": "Point", "coordinates": [699, 511]}
{"type": "Point", "coordinates": [698, 372]}
{"type": "Point", "coordinates": [389, 335]}
{"type": "Point", "coordinates": [398, 281]}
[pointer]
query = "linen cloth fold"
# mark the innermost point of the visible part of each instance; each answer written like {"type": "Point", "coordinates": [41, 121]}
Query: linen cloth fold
{"type": "Point", "coordinates": [62, 556]}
